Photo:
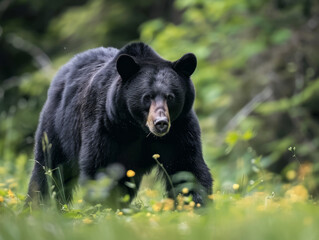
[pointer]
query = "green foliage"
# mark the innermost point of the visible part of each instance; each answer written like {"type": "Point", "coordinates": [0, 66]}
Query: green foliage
{"type": "Point", "coordinates": [248, 95]}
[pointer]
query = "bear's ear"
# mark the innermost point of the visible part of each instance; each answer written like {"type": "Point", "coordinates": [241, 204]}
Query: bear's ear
{"type": "Point", "coordinates": [126, 66]}
{"type": "Point", "coordinates": [186, 65]}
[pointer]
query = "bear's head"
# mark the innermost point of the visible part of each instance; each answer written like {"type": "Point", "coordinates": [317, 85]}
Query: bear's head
{"type": "Point", "coordinates": [157, 92]}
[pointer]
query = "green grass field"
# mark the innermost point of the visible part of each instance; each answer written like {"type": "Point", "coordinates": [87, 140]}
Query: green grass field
{"type": "Point", "coordinates": [236, 215]}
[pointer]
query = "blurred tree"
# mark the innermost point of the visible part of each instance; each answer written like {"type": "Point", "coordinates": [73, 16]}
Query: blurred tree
{"type": "Point", "coordinates": [257, 84]}
{"type": "Point", "coordinates": [37, 37]}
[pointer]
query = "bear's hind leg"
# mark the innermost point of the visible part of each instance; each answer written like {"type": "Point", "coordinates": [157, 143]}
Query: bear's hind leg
{"type": "Point", "coordinates": [38, 187]}
{"type": "Point", "coordinates": [53, 177]}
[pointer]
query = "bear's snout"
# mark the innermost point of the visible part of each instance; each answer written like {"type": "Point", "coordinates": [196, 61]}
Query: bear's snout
{"type": "Point", "coordinates": [158, 121]}
{"type": "Point", "coordinates": [161, 124]}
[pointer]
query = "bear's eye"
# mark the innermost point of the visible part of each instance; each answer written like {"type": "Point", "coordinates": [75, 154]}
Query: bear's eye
{"type": "Point", "coordinates": [170, 97]}
{"type": "Point", "coordinates": [147, 98]}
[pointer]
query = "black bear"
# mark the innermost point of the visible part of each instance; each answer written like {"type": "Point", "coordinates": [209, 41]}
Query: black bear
{"type": "Point", "coordinates": [108, 106]}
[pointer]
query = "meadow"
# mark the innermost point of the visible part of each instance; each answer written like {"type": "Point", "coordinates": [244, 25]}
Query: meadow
{"type": "Point", "coordinates": [262, 211]}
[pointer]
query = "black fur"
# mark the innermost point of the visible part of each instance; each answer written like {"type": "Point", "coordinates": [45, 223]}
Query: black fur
{"type": "Point", "coordinates": [95, 117]}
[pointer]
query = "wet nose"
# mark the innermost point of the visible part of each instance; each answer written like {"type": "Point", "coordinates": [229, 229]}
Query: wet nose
{"type": "Point", "coordinates": [161, 124]}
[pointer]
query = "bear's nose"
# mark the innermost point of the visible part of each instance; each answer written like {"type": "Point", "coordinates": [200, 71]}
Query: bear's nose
{"type": "Point", "coordinates": [161, 124]}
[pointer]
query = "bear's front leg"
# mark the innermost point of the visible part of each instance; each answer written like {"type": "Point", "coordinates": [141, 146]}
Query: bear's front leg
{"type": "Point", "coordinates": [188, 157]}
{"type": "Point", "coordinates": [99, 162]}
{"type": "Point", "coordinates": [196, 179]}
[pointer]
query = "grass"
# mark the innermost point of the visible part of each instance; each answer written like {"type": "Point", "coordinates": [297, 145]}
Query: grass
{"type": "Point", "coordinates": [257, 215]}
{"type": "Point", "coordinates": [260, 209]}
{"type": "Point", "coordinates": [227, 219]}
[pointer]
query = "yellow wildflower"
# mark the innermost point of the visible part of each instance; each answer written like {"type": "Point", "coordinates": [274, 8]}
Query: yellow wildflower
{"type": "Point", "coordinates": [87, 220]}
{"type": "Point", "coordinates": [180, 199]}
{"type": "Point", "coordinates": [11, 194]}
{"type": "Point", "coordinates": [80, 201]}
{"type": "Point", "coordinates": [179, 207]}
{"type": "Point", "coordinates": [119, 213]}
{"type": "Point", "coordinates": [157, 207]}
{"type": "Point", "coordinates": [168, 204]}
{"type": "Point", "coordinates": [192, 204]}
{"type": "Point", "coordinates": [185, 190]}
{"type": "Point", "coordinates": [1, 199]}
{"type": "Point", "coordinates": [211, 197]}
{"type": "Point", "coordinates": [297, 193]}
{"type": "Point", "coordinates": [156, 156]}
{"type": "Point", "coordinates": [291, 175]}
{"type": "Point", "coordinates": [235, 186]}
{"type": "Point", "coordinates": [130, 173]}
{"type": "Point", "coordinates": [198, 205]}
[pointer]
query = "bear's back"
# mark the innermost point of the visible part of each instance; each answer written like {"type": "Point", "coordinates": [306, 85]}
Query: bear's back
{"type": "Point", "coordinates": [80, 69]}
{"type": "Point", "coordinates": [75, 75]}
{"type": "Point", "coordinates": [61, 110]}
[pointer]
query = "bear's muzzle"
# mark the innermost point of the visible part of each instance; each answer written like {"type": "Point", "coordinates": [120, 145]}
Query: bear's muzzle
{"type": "Point", "coordinates": [158, 121]}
